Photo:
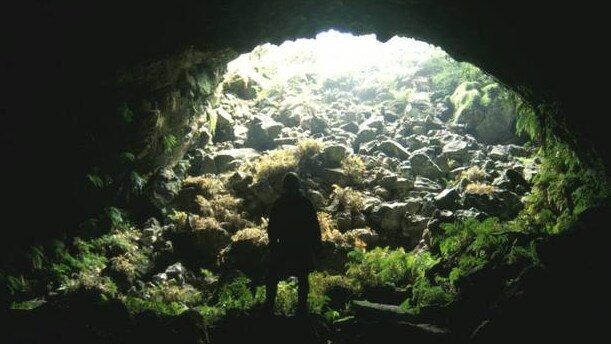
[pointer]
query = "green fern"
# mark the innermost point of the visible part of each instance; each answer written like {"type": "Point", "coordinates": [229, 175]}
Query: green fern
{"type": "Point", "coordinates": [169, 142]}
{"type": "Point", "coordinates": [95, 180]}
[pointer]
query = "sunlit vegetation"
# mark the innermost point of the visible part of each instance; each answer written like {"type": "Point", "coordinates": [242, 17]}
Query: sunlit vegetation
{"type": "Point", "coordinates": [480, 188]}
{"type": "Point", "coordinates": [348, 198]}
{"type": "Point", "coordinates": [374, 192]}
{"type": "Point", "coordinates": [354, 167]}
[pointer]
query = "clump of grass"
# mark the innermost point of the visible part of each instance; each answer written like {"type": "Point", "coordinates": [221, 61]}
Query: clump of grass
{"type": "Point", "coordinates": [200, 223]}
{"type": "Point", "coordinates": [308, 148]}
{"type": "Point", "coordinates": [256, 234]}
{"type": "Point", "coordinates": [348, 198]}
{"type": "Point", "coordinates": [209, 186]}
{"type": "Point", "coordinates": [179, 218]}
{"type": "Point", "coordinates": [275, 164]}
{"type": "Point", "coordinates": [329, 232]}
{"type": "Point", "coordinates": [328, 227]}
{"type": "Point", "coordinates": [354, 167]}
{"type": "Point", "coordinates": [129, 264]}
{"type": "Point", "coordinates": [480, 188]}
{"type": "Point", "coordinates": [473, 174]}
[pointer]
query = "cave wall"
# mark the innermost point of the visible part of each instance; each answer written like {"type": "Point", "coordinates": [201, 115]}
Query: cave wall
{"type": "Point", "coordinates": [64, 59]}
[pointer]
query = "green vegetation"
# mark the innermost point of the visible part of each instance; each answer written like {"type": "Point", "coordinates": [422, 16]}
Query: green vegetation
{"type": "Point", "coordinates": [348, 198]}
{"type": "Point", "coordinates": [480, 188]}
{"type": "Point", "coordinates": [568, 183]}
{"type": "Point", "coordinates": [354, 167]}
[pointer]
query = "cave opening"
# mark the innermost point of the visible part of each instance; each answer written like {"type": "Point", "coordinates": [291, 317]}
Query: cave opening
{"type": "Point", "coordinates": [432, 207]}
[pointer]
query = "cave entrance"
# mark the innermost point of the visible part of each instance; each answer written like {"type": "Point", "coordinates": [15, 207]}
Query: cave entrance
{"type": "Point", "coordinates": [386, 136]}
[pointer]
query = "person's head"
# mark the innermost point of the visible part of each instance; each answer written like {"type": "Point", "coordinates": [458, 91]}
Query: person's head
{"type": "Point", "coordinates": [291, 183]}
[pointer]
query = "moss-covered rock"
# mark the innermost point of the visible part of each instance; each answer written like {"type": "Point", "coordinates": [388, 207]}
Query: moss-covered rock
{"type": "Point", "coordinates": [488, 112]}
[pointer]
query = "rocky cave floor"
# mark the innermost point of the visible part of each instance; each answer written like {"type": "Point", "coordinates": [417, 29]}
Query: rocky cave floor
{"type": "Point", "coordinates": [382, 168]}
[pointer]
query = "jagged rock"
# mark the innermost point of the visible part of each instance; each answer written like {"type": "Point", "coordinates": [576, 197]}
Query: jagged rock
{"type": "Point", "coordinates": [223, 159]}
{"type": "Point", "coordinates": [381, 192]}
{"type": "Point", "coordinates": [262, 130]}
{"type": "Point", "coordinates": [358, 220]}
{"type": "Point", "coordinates": [502, 203]}
{"type": "Point", "coordinates": [388, 216]}
{"type": "Point", "coordinates": [334, 154]}
{"type": "Point", "coordinates": [151, 232]}
{"type": "Point", "coordinates": [316, 124]}
{"type": "Point", "coordinates": [423, 165]}
{"type": "Point", "coordinates": [412, 228]}
{"type": "Point", "coordinates": [398, 185]}
{"type": "Point", "coordinates": [343, 220]}
{"type": "Point", "coordinates": [238, 86]}
{"type": "Point", "coordinates": [447, 199]}
{"type": "Point", "coordinates": [333, 257]}
{"type": "Point", "coordinates": [374, 122]}
{"type": "Point", "coordinates": [457, 150]}
{"type": "Point", "coordinates": [240, 181]}
{"type": "Point", "coordinates": [289, 118]}
{"type": "Point", "coordinates": [390, 116]}
{"type": "Point", "coordinates": [202, 163]}
{"type": "Point", "coordinates": [334, 176]}
{"type": "Point", "coordinates": [281, 141]}
{"type": "Point", "coordinates": [499, 153]}
{"type": "Point", "coordinates": [246, 255]}
{"type": "Point", "coordinates": [516, 180]}
{"type": "Point", "coordinates": [394, 149]}
{"type": "Point", "coordinates": [164, 186]}
{"type": "Point", "coordinates": [351, 127]}
{"type": "Point", "coordinates": [224, 130]}
{"type": "Point", "coordinates": [176, 272]}
{"type": "Point", "coordinates": [317, 199]}
{"type": "Point", "coordinates": [419, 130]}
{"type": "Point", "coordinates": [367, 235]}
{"type": "Point", "coordinates": [413, 205]}
{"type": "Point", "coordinates": [425, 184]}
{"type": "Point", "coordinates": [365, 135]}
{"type": "Point", "coordinates": [369, 310]}
{"type": "Point", "coordinates": [518, 151]}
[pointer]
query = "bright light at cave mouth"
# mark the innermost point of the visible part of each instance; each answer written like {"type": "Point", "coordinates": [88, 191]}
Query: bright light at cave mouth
{"type": "Point", "coordinates": [333, 54]}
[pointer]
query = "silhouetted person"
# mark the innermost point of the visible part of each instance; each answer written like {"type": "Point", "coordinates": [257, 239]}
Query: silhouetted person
{"type": "Point", "coordinates": [294, 238]}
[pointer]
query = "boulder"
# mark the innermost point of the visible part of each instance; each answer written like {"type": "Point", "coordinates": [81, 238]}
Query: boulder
{"type": "Point", "coordinates": [223, 159]}
{"type": "Point", "coordinates": [425, 184]}
{"type": "Point", "coordinates": [413, 205]}
{"type": "Point", "coordinates": [317, 199]}
{"type": "Point", "coordinates": [262, 130]}
{"type": "Point", "coordinates": [486, 112]}
{"type": "Point", "coordinates": [388, 216]}
{"type": "Point", "coordinates": [412, 228]}
{"type": "Point", "coordinates": [334, 154]}
{"type": "Point", "coordinates": [202, 163]}
{"type": "Point", "coordinates": [365, 135]}
{"type": "Point", "coordinates": [367, 235]}
{"type": "Point", "coordinates": [240, 181]}
{"type": "Point", "coordinates": [163, 187]}
{"type": "Point", "coordinates": [394, 149]}
{"type": "Point", "coordinates": [343, 220]}
{"type": "Point", "coordinates": [351, 127]}
{"type": "Point", "coordinates": [332, 176]}
{"type": "Point", "coordinates": [457, 150]}
{"type": "Point", "coordinates": [447, 199]}
{"type": "Point", "coordinates": [373, 122]}
{"type": "Point", "coordinates": [224, 130]}
{"type": "Point", "coordinates": [424, 166]}
{"type": "Point", "coordinates": [503, 204]}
